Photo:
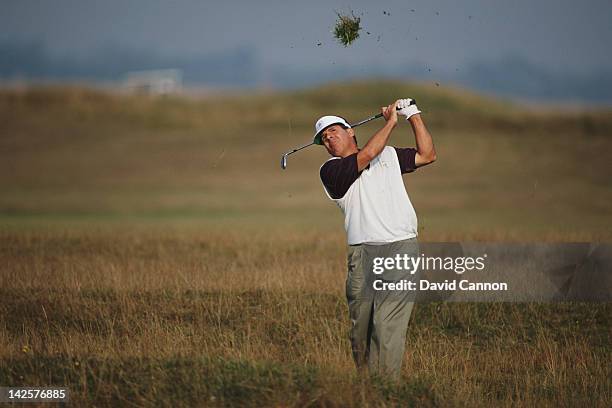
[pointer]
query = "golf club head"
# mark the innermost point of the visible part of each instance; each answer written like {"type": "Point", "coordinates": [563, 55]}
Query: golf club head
{"type": "Point", "coordinates": [284, 161]}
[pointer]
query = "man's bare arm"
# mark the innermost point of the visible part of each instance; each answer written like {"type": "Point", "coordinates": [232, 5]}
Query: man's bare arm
{"type": "Point", "coordinates": [426, 153]}
{"type": "Point", "coordinates": [377, 143]}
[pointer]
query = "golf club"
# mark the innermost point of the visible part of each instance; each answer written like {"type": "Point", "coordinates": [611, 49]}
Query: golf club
{"type": "Point", "coordinates": [284, 157]}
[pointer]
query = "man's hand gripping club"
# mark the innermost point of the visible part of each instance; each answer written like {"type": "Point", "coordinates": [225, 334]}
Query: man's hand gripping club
{"type": "Point", "coordinates": [377, 143]}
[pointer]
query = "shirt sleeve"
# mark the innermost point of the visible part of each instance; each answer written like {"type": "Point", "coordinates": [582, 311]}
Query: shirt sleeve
{"type": "Point", "coordinates": [406, 157]}
{"type": "Point", "coordinates": [339, 174]}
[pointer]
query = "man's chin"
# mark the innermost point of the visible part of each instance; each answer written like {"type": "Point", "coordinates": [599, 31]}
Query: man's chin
{"type": "Point", "coordinates": [336, 152]}
{"type": "Point", "coordinates": [333, 153]}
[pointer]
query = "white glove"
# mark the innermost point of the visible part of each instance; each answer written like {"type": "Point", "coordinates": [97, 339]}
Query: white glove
{"type": "Point", "coordinates": [407, 108]}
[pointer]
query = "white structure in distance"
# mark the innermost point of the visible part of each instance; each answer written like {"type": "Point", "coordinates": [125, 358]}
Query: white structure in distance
{"type": "Point", "coordinates": [154, 82]}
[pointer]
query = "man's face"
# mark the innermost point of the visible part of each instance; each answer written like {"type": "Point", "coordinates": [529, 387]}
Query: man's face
{"type": "Point", "coordinates": [338, 141]}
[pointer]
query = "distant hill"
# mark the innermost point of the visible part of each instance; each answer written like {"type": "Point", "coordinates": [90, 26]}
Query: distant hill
{"type": "Point", "coordinates": [241, 68]}
{"type": "Point", "coordinates": [236, 67]}
{"type": "Point", "coordinates": [513, 76]}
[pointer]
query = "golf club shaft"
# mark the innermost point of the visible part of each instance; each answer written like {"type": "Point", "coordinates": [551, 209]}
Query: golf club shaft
{"type": "Point", "coordinates": [299, 148]}
{"type": "Point", "coordinates": [412, 102]}
{"type": "Point", "coordinates": [361, 122]}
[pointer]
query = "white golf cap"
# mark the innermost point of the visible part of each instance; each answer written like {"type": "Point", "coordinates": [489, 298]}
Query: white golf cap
{"type": "Point", "coordinates": [326, 121]}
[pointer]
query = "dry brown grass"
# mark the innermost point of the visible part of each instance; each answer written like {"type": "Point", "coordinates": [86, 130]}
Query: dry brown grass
{"type": "Point", "coordinates": [80, 308]}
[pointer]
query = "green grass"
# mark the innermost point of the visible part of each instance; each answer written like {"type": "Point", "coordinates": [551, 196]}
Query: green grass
{"type": "Point", "coordinates": [207, 382]}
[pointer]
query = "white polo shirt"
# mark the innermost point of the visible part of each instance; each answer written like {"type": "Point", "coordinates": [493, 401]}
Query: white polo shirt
{"type": "Point", "coordinates": [376, 207]}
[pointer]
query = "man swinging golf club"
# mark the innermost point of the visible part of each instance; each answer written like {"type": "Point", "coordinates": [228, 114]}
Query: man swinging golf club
{"type": "Point", "coordinates": [380, 223]}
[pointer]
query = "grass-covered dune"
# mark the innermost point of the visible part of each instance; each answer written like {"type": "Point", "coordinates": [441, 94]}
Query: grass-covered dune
{"type": "Point", "coordinates": [76, 154]}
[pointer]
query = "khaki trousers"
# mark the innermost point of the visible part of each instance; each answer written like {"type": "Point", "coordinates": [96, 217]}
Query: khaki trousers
{"type": "Point", "coordinates": [379, 318]}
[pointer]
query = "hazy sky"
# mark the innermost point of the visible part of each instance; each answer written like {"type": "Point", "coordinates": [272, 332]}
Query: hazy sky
{"type": "Point", "coordinates": [561, 35]}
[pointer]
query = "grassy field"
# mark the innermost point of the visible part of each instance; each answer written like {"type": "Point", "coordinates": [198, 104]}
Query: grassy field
{"type": "Point", "coordinates": [152, 252]}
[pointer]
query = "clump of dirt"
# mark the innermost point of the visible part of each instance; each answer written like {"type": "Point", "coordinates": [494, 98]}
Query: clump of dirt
{"type": "Point", "coordinates": [347, 28]}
